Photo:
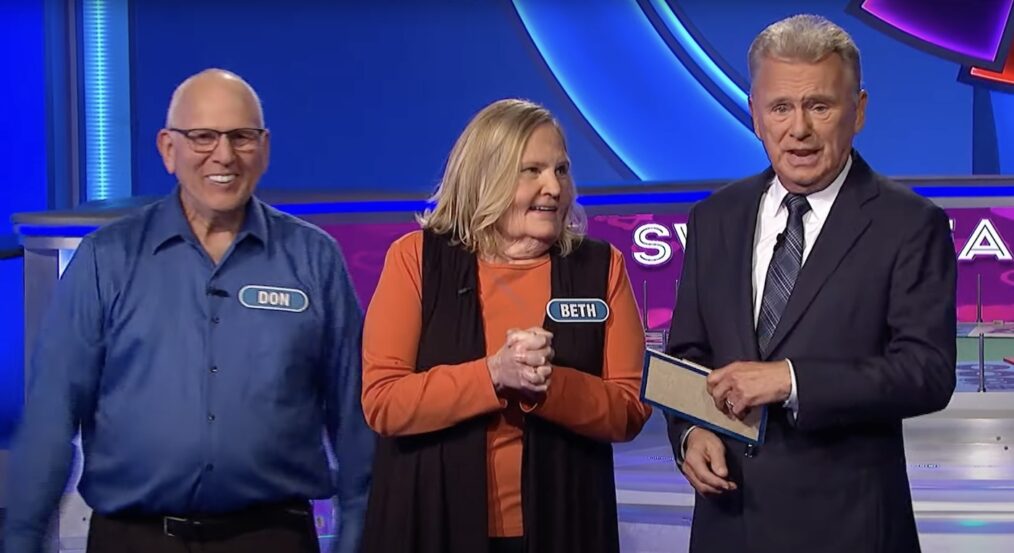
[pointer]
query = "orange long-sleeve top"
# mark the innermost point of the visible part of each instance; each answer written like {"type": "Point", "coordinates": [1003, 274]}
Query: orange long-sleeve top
{"type": "Point", "coordinates": [398, 401]}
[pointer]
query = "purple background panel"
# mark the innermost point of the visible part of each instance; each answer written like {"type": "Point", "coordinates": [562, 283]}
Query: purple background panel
{"type": "Point", "coordinates": [365, 246]}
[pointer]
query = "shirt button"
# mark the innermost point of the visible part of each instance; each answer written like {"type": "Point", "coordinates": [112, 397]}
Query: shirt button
{"type": "Point", "coordinates": [214, 369]}
{"type": "Point", "coordinates": [209, 467]}
{"type": "Point", "coordinates": [211, 418]}
{"type": "Point", "coordinates": [215, 320]}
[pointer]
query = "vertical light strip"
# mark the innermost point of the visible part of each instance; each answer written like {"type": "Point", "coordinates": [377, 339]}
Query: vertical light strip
{"type": "Point", "coordinates": [104, 33]}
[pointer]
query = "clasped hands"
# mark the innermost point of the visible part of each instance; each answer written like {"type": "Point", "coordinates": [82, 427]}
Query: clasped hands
{"type": "Point", "coordinates": [522, 365]}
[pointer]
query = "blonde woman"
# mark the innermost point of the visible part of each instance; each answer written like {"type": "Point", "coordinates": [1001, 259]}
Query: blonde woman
{"type": "Point", "coordinates": [494, 438]}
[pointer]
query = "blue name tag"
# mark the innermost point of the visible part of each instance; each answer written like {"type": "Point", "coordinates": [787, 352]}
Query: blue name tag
{"type": "Point", "coordinates": [577, 310]}
{"type": "Point", "coordinates": [274, 298]}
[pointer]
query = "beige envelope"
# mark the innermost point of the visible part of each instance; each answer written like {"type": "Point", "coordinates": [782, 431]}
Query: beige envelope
{"type": "Point", "coordinates": [680, 388]}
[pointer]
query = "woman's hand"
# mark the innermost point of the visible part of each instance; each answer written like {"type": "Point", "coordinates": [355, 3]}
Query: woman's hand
{"type": "Point", "coordinates": [523, 363]}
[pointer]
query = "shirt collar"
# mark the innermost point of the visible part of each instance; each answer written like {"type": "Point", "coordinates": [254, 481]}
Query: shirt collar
{"type": "Point", "coordinates": [170, 223]}
{"type": "Point", "coordinates": [820, 202]}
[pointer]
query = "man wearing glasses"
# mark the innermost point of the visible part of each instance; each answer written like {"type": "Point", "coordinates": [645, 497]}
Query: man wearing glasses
{"type": "Point", "coordinates": [203, 346]}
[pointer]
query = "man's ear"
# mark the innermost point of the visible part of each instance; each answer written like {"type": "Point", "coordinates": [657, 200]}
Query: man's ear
{"type": "Point", "coordinates": [167, 149]}
{"type": "Point", "coordinates": [754, 117]}
{"type": "Point", "coordinates": [861, 110]}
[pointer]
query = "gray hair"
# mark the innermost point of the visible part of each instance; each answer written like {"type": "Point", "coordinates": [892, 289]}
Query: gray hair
{"type": "Point", "coordinates": [806, 38]}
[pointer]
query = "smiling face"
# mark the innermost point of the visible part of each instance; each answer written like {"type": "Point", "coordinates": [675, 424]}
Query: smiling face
{"type": "Point", "coordinates": [219, 182]}
{"type": "Point", "coordinates": [807, 115]}
{"type": "Point", "coordinates": [543, 194]}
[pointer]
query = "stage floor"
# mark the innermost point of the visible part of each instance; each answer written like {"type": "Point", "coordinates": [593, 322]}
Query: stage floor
{"type": "Point", "coordinates": [961, 472]}
{"type": "Point", "coordinates": [960, 464]}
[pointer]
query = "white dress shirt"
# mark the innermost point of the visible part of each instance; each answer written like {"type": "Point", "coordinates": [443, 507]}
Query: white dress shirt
{"type": "Point", "coordinates": [772, 217]}
{"type": "Point", "coordinates": [771, 220]}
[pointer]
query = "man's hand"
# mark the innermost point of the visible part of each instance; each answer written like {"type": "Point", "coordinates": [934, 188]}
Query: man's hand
{"type": "Point", "coordinates": [739, 386]}
{"type": "Point", "coordinates": [704, 463]}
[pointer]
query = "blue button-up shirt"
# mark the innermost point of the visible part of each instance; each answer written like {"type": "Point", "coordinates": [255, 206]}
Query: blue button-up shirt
{"type": "Point", "coordinates": [197, 388]}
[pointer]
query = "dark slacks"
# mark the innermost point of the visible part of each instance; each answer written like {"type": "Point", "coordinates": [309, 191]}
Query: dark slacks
{"type": "Point", "coordinates": [506, 545]}
{"type": "Point", "coordinates": [132, 535]}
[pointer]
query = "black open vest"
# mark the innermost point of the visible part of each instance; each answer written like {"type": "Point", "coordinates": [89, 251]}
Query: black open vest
{"type": "Point", "coordinates": [429, 490]}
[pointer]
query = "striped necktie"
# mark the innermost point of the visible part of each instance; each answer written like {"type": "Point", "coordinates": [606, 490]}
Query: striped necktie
{"type": "Point", "coordinates": [783, 270]}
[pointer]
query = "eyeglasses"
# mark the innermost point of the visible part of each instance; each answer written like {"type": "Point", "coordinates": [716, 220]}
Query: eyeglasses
{"type": "Point", "coordinates": [206, 140]}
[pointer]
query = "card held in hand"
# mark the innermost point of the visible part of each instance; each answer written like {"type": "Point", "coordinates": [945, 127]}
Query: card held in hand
{"type": "Point", "coordinates": [680, 388]}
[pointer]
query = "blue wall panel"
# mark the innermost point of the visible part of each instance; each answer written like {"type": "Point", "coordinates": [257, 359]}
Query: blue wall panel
{"type": "Point", "coordinates": [1003, 113]}
{"type": "Point", "coordinates": [22, 177]}
{"type": "Point", "coordinates": [363, 96]}
{"type": "Point", "coordinates": [370, 96]}
{"type": "Point", "coordinates": [919, 118]}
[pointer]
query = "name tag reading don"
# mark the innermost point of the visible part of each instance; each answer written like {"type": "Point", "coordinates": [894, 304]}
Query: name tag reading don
{"type": "Point", "coordinates": [577, 310]}
{"type": "Point", "coordinates": [273, 298]}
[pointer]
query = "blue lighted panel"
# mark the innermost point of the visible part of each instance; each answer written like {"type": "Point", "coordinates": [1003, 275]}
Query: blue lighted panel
{"type": "Point", "coordinates": [648, 90]}
{"type": "Point", "coordinates": [107, 103]}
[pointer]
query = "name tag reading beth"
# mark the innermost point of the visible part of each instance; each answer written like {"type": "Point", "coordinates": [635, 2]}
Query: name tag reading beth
{"type": "Point", "coordinates": [274, 298]}
{"type": "Point", "coordinates": [577, 310]}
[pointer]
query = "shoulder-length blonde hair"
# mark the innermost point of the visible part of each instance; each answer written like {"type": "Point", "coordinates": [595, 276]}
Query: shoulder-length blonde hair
{"type": "Point", "coordinates": [481, 178]}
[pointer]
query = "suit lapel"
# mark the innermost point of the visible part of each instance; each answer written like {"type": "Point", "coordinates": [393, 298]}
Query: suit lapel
{"type": "Point", "coordinates": [845, 223]}
{"type": "Point", "coordinates": [742, 222]}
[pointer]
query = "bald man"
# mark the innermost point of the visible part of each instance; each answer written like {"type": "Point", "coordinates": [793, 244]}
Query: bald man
{"type": "Point", "coordinates": [207, 347]}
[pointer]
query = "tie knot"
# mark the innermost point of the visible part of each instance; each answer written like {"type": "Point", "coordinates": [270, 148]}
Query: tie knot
{"type": "Point", "coordinates": [796, 204]}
